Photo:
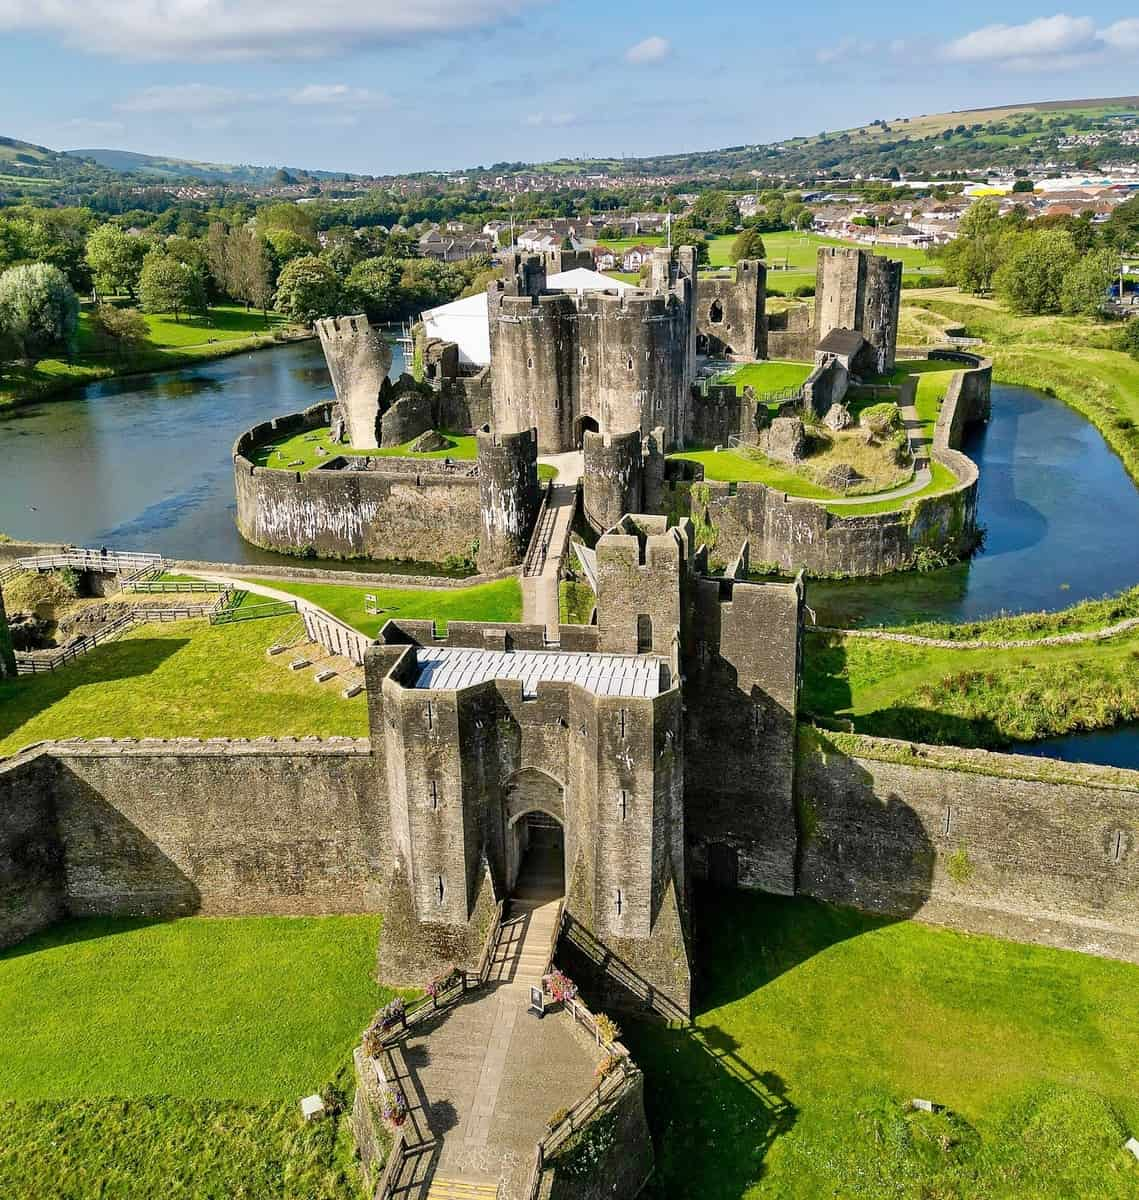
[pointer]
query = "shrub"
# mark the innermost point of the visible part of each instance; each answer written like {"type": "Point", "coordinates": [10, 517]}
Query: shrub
{"type": "Point", "coordinates": [556, 1118]}
{"type": "Point", "coordinates": [39, 311]}
{"type": "Point", "coordinates": [393, 1105]}
{"type": "Point", "coordinates": [392, 1014]}
{"type": "Point", "coordinates": [881, 419]}
{"type": "Point", "coordinates": [444, 983]}
{"type": "Point", "coordinates": [959, 866]}
{"type": "Point", "coordinates": [607, 1066]}
{"type": "Point", "coordinates": [1129, 337]}
{"type": "Point", "coordinates": [607, 1028]}
{"type": "Point", "coordinates": [560, 986]}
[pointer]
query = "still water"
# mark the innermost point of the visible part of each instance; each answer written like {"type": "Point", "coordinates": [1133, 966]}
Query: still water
{"type": "Point", "coordinates": [144, 463]}
{"type": "Point", "coordinates": [1118, 747]}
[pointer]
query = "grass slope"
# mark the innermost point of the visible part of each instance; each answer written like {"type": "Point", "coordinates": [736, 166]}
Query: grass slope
{"type": "Point", "coordinates": [146, 1059]}
{"type": "Point", "coordinates": [186, 679]}
{"type": "Point", "coordinates": [984, 697]}
{"type": "Point", "coordinates": [500, 600]}
{"type": "Point", "coordinates": [817, 1024]}
{"type": "Point", "coordinates": [227, 329]}
{"type": "Point", "coordinates": [771, 376]}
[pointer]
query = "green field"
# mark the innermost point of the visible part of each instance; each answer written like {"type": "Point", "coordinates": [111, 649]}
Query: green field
{"type": "Point", "coordinates": [773, 375]}
{"type": "Point", "coordinates": [733, 466]}
{"type": "Point", "coordinates": [227, 329]}
{"type": "Point", "coordinates": [185, 679]}
{"type": "Point", "coordinates": [149, 1058]}
{"type": "Point", "coordinates": [500, 600]}
{"type": "Point", "coordinates": [817, 1024]}
{"type": "Point", "coordinates": [798, 253]}
{"type": "Point", "coordinates": [970, 697]}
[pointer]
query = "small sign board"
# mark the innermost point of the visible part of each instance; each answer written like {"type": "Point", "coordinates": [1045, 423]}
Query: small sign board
{"type": "Point", "coordinates": [370, 602]}
{"type": "Point", "coordinates": [537, 1001]}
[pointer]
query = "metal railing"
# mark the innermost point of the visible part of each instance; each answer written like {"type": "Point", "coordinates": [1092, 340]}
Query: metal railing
{"type": "Point", "coordinates": [91, 560]}
{"type": "Point", "coordinates": [535, 560]}
{"type": "Point", "coordinates": [171, 586]}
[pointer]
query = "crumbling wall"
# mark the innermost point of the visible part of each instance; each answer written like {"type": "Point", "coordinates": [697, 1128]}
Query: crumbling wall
{"type": "Point", "coordinates": [730, 316]}
{"type": "Point", "coordinates": [358, 360]}
{"type": "Point", "coordinates": [508, 496]}
{"type": "Point", "coordinates": [1017, 847]}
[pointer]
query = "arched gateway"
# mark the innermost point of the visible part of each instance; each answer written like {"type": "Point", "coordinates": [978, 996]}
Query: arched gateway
{"type": "Point", "coordinates": [534, 812]}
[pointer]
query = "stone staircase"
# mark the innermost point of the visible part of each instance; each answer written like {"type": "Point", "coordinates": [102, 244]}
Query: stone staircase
{"type": "Point", "coordinates": [461, 1189]}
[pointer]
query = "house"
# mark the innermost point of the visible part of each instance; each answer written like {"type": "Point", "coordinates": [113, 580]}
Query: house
{"type": "Point", "coordinates": [635, 258]}
{"type": "Point", "coordinates": [604, 259]}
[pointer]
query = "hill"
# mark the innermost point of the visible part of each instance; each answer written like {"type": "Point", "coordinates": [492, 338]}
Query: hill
{"type": "Point", "coordinates": [129, 163]}
{"type": "Point", "coordinates": [965, 140]}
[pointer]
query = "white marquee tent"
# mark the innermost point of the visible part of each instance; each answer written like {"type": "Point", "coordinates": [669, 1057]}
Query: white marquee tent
{"type": "Point", "coordinates": [464, 322]}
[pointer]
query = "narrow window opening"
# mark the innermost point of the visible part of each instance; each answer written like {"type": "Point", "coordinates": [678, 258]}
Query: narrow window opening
{"type": "Point", "coordinates": [948, 823]}
{"type": "Point", "coordinates": [629, 363]}
{"type": "Point", "coordinates": [716, 312]}
{"type": "Point", "coordinates": [439, 887]}
{"type": "Point", "coordinates": [623, 805]}
{"type": "Point", "coordinates": [529, 362]}
{"type": "Point", "coordinates": [430, 714]}
{"type": "Point", "coordinates": [644, 633]}
{"type": "Point", "coordinates": [622, 722]}
{"type": "Point", "coordinates": [1118, 846]}
{"type": "Point", "coordinates": [434, 794]}
{"type": "Point", "coordinates": [620, 901]}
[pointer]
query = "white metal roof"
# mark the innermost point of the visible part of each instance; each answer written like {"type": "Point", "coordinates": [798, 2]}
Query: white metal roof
{"type": "Point", "coordinates": [450, 668]}
{"type": "Point", "coordinates": [464, 322]}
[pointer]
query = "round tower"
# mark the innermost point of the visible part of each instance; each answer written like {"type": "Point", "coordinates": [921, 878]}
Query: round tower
{"type": "Point", "coordinates": [358, 360]}
{"type": "Point", "coordinates": [508, 496]}
{"type": "Point", "coordinates": [612, 477]}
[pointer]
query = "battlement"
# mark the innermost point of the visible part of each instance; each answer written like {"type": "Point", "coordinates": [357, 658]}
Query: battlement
{"type": "Point", "coordinates": [508, 495]}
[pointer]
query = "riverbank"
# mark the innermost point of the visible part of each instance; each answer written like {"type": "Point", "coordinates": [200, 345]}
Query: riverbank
{"type": "Point", "coordinates": [228, 330]}
{"type": "Point", "coordinates": [1070, 358]}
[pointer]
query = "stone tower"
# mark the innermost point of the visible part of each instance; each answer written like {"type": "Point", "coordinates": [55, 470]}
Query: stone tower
{"type": "Point", "coordinates": [508, 496]}
{"type": "Point", "coordinates": [612, 477]}
{"type": "Point", "coordinates": [859, 291]}
{"type": "Point", "coordinates": [7, 654]}
{"type": "Point", "coordinates": [731, 311]}
{"type": "Point", "coordinates": [358, 360]}
{"type": "Point", "coordinates": [566, 363]}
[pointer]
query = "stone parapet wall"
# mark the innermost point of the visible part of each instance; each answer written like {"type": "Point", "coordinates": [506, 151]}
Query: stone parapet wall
{"type": "Point", "coordinates": [992, 843]}
{"type": "Point", "coordinates": [165, 828]}
{"type": "Point", "coordinates": [382, 512]}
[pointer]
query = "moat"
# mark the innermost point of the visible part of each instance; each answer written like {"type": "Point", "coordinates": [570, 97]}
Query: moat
{"type": "Point", "coordinates": [144, 464]}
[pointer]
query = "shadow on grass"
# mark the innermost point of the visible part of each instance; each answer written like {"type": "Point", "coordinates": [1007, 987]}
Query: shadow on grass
{"type": "Point", "coordinates": [72, 931]}
{"type": "Point", "coordinates": [24, 698]}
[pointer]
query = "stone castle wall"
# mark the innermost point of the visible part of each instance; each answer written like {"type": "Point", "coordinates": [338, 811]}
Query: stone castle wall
{"type": "Point", "coordinates": [411, 508]}
{"type": "Point", "coordinates": [730, 316]}
{"type": "Point", "coordinates": [1017, 847]}
{"type": "Point", "coordinates": [154, 828]}
{"type": "Point", "coordinates": [797, 534]}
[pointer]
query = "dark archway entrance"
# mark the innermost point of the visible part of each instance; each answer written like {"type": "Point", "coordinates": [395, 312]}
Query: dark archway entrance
{"type": "Point", "coordinates": [539, 850]}
{"type": "Point", "coordinates": [579, 428]}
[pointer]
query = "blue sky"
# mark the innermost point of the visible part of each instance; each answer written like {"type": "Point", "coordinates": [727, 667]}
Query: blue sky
{"type": "Point", "coordinates": [379, 86]}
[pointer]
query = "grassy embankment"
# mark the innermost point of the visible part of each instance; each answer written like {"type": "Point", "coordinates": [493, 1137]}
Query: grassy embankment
{"type": "Point", "coordinates": [500, 600]}
{"type": "Point", "coordinates": [145, 1058]}
{"type": "Point", "coordinates": [228, 329]}
{"type": "Point", "coordinates": [298, 452]}
{"type": "Point", "coordinates": [1070, 358]}
{"type": "Point", "coordinates": [818, 1024]}
{"type": "Point", "coordinates": [971, 697]}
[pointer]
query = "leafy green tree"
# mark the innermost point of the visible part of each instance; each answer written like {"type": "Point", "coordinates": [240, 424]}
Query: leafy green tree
{"type": "Point", "coordinates": [298, 219]}
{"type": "Point", "coordinates": [684, 234]}
{"type": "Point", "coordinates": [426, 282]}
{"type": "Point", "coordinates": [1031, 277]}
{"type": "Point", "coordinates": [972, 258]}
{"type": "Point", "coordinates": [308, 288]}
{"type": "Point", "coordinates": [749, 244]}
{"type": "Point", "coordinates": [1129, 337]}
{"type": "Point", "coordinates": [119, 329]}
{"type": "Point", "coordinates": [39, 310]}
{"type": "Point", "coordinates": [373, 285]}
{"type": "Point", "coordinates": [1122, 227]}
{"type": "Point", "coordinates": [115, 259]}
{"type": "Point", "coordinates": [167, 285]}
{"type": "Point", "coordinates": [287, 245]}
{"type": "Point", "coordinates": [1084, 289]}
{"type": "Point", "coordinates": [1024, 185]}
{"type": "Point", "coordinates": [341, 249]}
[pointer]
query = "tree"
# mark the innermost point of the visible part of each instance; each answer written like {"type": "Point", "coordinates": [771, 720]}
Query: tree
{"type": "Point", "coordinates": [119, 329]}
{"type": "Point", "coordinates": [115, 259]}
{"type": "Point", "coordinates": [39, 310]}
{"type": "Point", "coordinates": [749, 244]}
{"type": "Point", "coordinates": [1031, 276]}
{"type": "Point", "coordinates": [972, 258]}
{"type": "Point", "coordinates": [1086, 282]}
{"type": "Point", "coordinates": [683, 234]}
{"type": "Point", "coordinates": [169, 286]}
{"type": "Point", "coordinates": [1024, 185]}
{"type": "Point", "coordinates": [1129, 337]}
{"type": "Point", "coordinates": [287, 245]}
{"type": "Point", "coordinates": [298, 219]}
{"type": "Point", "coordinates": [1122, 227]}
{"type": "Point", "coordinates": [308, 288]}
{"type": "Point", "coordinates": [373, 285]}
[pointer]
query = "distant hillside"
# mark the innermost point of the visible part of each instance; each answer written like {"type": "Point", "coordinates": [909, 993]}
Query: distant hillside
{"type": "Point", "coordinates": [962, 141]}
{"type": "Point", "coordinates": [127, 162]}
{"type": "Point", "coordinates": [13, 151]}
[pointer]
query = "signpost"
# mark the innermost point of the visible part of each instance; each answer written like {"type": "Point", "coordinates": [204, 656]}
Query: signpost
{"type": "Point", "coordinates": [537, 1001]}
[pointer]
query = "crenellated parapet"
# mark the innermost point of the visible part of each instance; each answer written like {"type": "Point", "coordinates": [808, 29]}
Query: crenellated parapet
{"type": "Point", "coordinates": [358, 360]}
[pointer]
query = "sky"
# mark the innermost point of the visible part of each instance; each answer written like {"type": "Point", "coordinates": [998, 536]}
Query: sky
{"type": "Point", "coordinates": [385, 86]}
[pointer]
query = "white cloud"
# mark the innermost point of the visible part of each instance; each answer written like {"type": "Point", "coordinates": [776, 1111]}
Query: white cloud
{"type": "Point", "coordinates": [331, 94]}
{"type": "Point", "coordinates": [1123, 35]}
{"type": "Point", "coordinates": [87, 126]}
{"type": "Point", "coordinates": [181, 98]}
{"type": "Point", "coordinates": [220, 29]}
{"type": "Point", "coordinates": [652, 49]}
{"type": "Point", "coordinates": [1046, 38]}
{"type": "Point", "coordinates": [843, 49]}
{"type": "Point", "coordinates": [539, 119]}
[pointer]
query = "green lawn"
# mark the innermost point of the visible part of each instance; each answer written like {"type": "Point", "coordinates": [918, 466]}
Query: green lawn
{"type": "Point", "coordinates": [733, 466]}
{"type": "Point", "coordinates": [773, 375]}
{"type": "Point", "coordinates": [817, 1024]}
{"type": "Point", "coordinates": [184, 679]}
{"type": "Point", "coordinates": [800, 252]}
{"type": "Point", "coordinates": [500, 600]}
{"type": "Point", "coordinates": [982, 697]}
{"type": "Point", "coordinates": [145, 1059]}
{"type": "Point", "coordinates": [226, 329]}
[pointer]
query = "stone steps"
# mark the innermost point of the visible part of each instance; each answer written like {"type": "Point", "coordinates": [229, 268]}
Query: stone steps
{"type": "Point", "coordinates": [462, 1189]}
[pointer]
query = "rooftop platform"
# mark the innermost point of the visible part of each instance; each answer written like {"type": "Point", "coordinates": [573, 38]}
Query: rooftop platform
{"type": "Point", "coordinates": [446, 668]}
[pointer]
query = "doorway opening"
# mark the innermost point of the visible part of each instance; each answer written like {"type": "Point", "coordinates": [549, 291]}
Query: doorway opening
{"type": "Point", "coordinates": [539, 850]}
{"type": "Point", "coordinates": [580, 426]}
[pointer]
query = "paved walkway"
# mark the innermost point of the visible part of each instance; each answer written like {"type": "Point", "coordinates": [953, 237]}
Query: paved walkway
{"type": "Point", "coordinates": [488, 1074]}
{"type": "Point", "coordinates": [550, 540]}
